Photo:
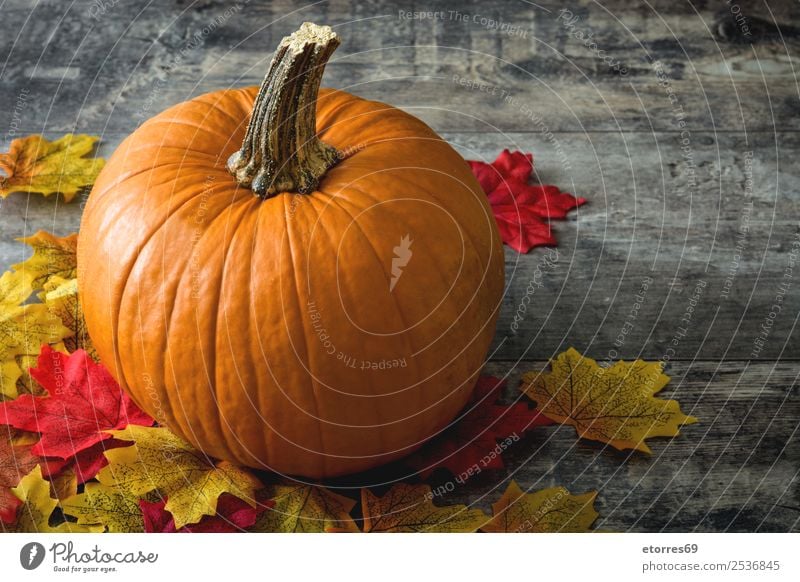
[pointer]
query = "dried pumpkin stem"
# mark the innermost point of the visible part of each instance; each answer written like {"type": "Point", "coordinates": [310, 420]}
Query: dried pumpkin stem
{"type": "Point", "coordinates": [281, 151]}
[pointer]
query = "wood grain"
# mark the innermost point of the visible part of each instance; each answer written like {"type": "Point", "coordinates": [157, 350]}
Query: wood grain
{"type": "Point", "coordinates": [84, 69]}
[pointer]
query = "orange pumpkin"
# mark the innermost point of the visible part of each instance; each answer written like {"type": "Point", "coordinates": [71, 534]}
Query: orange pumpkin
{"type": "Point", "coordinates": [310, 289]}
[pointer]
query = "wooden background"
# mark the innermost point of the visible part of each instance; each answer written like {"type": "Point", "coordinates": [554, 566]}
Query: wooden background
{"type": "Point", "coordinates": [660, 132]}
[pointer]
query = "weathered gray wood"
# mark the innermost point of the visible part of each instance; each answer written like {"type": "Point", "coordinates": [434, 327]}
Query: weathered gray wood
{"type": "Point", "coordinates": [80, 67]}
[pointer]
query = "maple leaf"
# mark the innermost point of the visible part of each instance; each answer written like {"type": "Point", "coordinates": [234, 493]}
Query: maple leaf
{"type": "Point", "coordinates": [88, 462]}
{"type": "Point", "coordinates": [64, 484]}
{"type": "Point", "coordinates": [34, 164]}
{"type": "Point", "coordinates": [19, 438]}
{"type": "Point", "coordinates": [33, 515]}
{"type": "Point", "coordinates": [15, 288]}
{"type": "Point", "coordinates": [10, 375]}
{"type": "Point", "coordinates": [612, 405]}
{"type": "Point", "coordinates": [409, 508]}
{"type": "Point", "coordinates": [479, 435]}
{"type": "Point", "coordinates": [233, 515]}
{"type": "Point", "coordinates": [61, 298]}
{"type": "Point", "coordinates": [23, 328]}
{"type": "Point", "coordinates": [547, 511]}
{"type": "Point", "coordinates": [83, 402]}
{"type": "Point", "coordinates": [521, 209]}
{"type": "Point", "coordinates": [16, 461]}
{"type": "Point", "coordinates": [114, 508]}
{"type": "Point", "coordinates": [508, 165]}
{"type": "Point", "coordinates": [190, 480]}
{"type": "Point", "coordinates": [53, 256]}
{"type": "Point", "coordinates": [155, 518]}
{"type": "Point", "coordinates": [26, 384]}
{"type": "Point", "coordinates": [298, 507]}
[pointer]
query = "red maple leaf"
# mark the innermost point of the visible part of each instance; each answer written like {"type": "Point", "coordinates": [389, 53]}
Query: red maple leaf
{"type": "Point", "coordinates": [233, 515]}
{"type": "Point", "coordinates": [521, 209]}
{"type": "Point", "coordinates": [16, 461]}
{"type": "Point", "coordinates": [156, 518]}
{"type": "Point", "coordinates": [83, 401]}
{"type": "Point", "coordinates": [472, 440]}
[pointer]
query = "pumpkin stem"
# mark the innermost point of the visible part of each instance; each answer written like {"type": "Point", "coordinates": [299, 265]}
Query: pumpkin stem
{"type": "Point", "coordinates": [281, 151]}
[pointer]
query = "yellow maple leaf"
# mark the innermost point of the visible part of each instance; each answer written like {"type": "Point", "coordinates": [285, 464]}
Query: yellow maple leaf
{"type": "Point", "coordinates": [306, 509]}
{"type": "Point", "coordinates": [52, 256]}
{"type": "Point", "coordinates": [34, 164]}
{"type": "Point", "coordinates": [409, 508]}
{"type": "Point", "coordinates": [10, 375]}
{"type": "Point", "coordinates": [545, 511]}
{"type": "Point", "coordinates": [33, 516]}
{"type": "Point", "coordinates": [115, 508]}
{"type": "Point", "coordinates": [15, 288]}
{"type": "Point", "coordinates": [612, 405]}
{"type": "Point", "coordinates": [61, 298]}
{"type": "Point", "coordinates": [190, 480]}
{"type": "Point", "coordinates": [23, 328]}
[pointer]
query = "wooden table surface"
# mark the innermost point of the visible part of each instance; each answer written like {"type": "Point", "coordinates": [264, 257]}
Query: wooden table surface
{"type": "Point", "coordinates": [678, 121]}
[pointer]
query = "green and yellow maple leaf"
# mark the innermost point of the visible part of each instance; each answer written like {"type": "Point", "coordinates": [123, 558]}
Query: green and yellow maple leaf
{"type": "Point", "coordinates": [190, 481]}
{"type": "Point", "coordinates": [61, 298]}
{"type": "Point", "coordinates": [33, 516]}
{"type": "Point", "coordinates": [409, 508]}
{"type": "Point", "coordinates": [306, 509]}
{"type": "Point", "coordinates": [35, 164]}
{"type": "Point", "coordinates": [113, 507]}
{"type": "Point", "coordinates": [614, 405]}
{"type": "Point", "coordinates": [53, 256]}
{"type": "Point", "coordinates": [15, 288]}
{"type": "Point", "coordinates": [546, 511]}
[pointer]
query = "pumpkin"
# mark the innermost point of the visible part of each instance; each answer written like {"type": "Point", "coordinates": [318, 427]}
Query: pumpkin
{"type": "Point", "coordinates": [291, 278]}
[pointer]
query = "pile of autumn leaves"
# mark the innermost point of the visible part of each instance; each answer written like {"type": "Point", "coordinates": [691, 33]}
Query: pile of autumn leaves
{"type": "Point", "coordinates": [77, 455]}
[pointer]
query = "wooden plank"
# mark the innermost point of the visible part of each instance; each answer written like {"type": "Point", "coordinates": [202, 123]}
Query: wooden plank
{"type": "Point", "coordinates": [736, 470]}
{"type": "Point", "coordinates": [72, 67]}
{"type": "Point", "coordinates": [643, 222]}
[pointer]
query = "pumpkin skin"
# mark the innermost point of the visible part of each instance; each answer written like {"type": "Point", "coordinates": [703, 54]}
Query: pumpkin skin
{"type": "Point", "coordinates": [264, 332]}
